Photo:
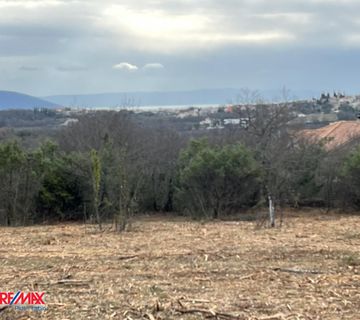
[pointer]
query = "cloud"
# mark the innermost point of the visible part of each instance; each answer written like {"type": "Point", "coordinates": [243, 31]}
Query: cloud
{"type": "Point", "coordinates": [206, 43]}
{"type": "Point", "coordinates": [152, 66]}
{"type": "Point", "coordinates": [155, 30]}
{"type": "Point", "coordinates": [172, 26]}
{"type": "Point", "coordinates": [125, 66]}
{"type": "Point", "coordinates": [28, 4]}
{"type": "Point", "coordinates": [132, 67]}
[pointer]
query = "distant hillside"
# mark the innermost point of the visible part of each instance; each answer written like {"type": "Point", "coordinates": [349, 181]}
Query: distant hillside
{"type": "Point", "coordinates": [336, 134]}
{"type": "Point", "coordinates": [15, 100]}
{"type": "Point", "coordinates": [128, 99]}
{"type": "Point", "coordinates": [124, 99]}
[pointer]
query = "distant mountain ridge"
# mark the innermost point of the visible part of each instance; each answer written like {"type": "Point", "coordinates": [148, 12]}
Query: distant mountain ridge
{"type": "Point", "coordinates": [139, 99]}
{"type": "Point", "coordinates": [128, 99]}
{"type": "Point", "coordinates": [16, 100]}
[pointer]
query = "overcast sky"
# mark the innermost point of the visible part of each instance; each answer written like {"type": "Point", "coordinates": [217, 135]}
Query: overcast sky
{"type": "Point", "coordinates": [91, 46]}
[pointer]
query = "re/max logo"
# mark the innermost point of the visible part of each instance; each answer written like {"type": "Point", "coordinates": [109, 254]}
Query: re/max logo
{"type": "Point", "coordinates": [20, 298]}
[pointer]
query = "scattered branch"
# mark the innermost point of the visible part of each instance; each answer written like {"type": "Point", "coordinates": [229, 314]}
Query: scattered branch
{"type": "Point", "coordinates": [210, 313]}
{"type": "Point", "coordinates": [299, 271]}
{"type": "Point", "coordinates": [195, 300]}
{"type": "Point", "coordinates": [278, 316]}
{"type": "Point", "coordinates": [3, 309]}
{"type": "Point", "coordinates": [150, 316]}
{"type": "Point", "coordinates": [128, 257]}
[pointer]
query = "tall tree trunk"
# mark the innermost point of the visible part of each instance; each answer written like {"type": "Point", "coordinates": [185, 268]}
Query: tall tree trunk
{"type": "Point", "coordinates": [96, 180]}
{"type": "Point", "coordinates": [271, 212]}
{"type": "Point", "coordinates": [97, 214]}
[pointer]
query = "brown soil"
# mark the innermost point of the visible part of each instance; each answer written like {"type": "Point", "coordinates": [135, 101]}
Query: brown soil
{"type": "Point", "coordinates": [336, 134]}
{"type": "Point", "coordinates": [174, 269]}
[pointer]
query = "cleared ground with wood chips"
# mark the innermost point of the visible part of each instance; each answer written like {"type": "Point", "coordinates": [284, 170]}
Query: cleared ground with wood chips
{"type": "Point", "coordinates": [174, 269]}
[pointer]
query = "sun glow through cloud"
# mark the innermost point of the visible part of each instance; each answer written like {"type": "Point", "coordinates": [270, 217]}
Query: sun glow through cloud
{"type": "Point", "coordinates": [157, 44]}
{"type": "Point", "coordinates": [161, 31]}
{"type": "Point", "coordinates": [29, 4]}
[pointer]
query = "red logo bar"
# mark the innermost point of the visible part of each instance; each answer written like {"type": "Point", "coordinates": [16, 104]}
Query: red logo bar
{"type": "Point", "coordinates": [21, 298]}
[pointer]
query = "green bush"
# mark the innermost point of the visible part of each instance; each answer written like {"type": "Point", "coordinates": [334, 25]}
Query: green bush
{"type": "Point", "coordinates": [350, 179]}
{"type": "Point", "coordinates": [213, 181]}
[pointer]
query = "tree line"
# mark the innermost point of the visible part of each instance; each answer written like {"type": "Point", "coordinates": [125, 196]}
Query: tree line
{"type": "Point", "coordinates": [110, 167]}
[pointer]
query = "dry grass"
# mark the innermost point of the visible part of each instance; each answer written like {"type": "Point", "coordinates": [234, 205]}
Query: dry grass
{"type": "Point", "coordinates": [173, 269]}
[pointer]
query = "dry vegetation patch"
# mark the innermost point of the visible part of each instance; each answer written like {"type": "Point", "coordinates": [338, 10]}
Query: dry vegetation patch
{"type": "Point", "coordinates": [174, 269]}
